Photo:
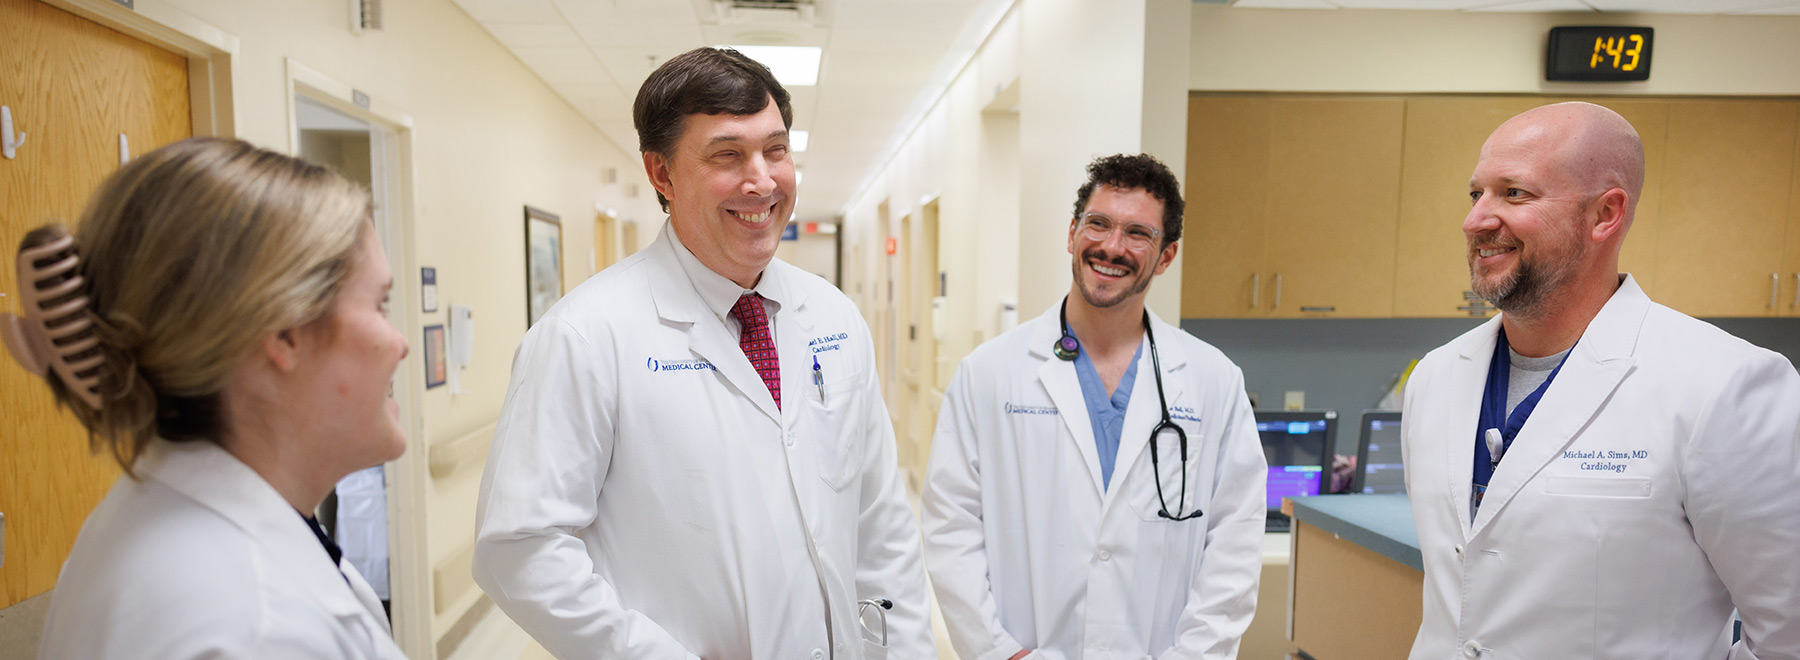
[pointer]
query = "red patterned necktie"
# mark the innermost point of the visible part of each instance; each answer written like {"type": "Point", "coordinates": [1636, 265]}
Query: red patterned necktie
{"type": "Point", "coordinates": [757, 344]}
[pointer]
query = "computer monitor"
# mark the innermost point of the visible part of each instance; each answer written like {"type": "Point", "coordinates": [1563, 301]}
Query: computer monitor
{"type": "Point", "coordinates": [1378, 468]}
{"type": "Point", "coordinates": [1298, 448]}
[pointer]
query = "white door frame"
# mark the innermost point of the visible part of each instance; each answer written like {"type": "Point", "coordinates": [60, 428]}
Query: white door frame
{"type": "Point", "coordinates": [391, 148]}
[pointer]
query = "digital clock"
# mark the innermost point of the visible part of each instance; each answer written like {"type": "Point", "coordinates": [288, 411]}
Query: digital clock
{"type": "Point", "coordinates": [1599, 53]}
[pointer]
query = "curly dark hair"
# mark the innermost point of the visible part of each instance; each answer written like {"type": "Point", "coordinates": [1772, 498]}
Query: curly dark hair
{"type": "Point", "coordinates": [1142, 172]}
{"type": "Point", "coordinates": [702, 81]}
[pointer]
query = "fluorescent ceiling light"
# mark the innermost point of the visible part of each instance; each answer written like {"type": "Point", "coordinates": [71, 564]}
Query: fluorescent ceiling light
{"type": "Point", "coordinates": [799, 176]}
{"type": "Point", "coordinates": [794, 66]}
{"type": "Point", "coordinates": [797, 141]}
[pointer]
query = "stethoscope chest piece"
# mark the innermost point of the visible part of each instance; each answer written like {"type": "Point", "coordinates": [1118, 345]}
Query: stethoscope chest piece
{"type": "Point", "coordinates": [1066, 348]}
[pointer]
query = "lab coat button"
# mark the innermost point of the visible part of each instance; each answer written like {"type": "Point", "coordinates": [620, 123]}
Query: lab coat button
{"type": "Point", "coordinates": [818, 654]}
{"type": "Point", "coordinates": [1105, 555]}
{"type": "Point", "coordinates": [788, 439]}
{"type": "Point", "coordinates": [1459, 551]}
{"type": "Point", "coordinates": [1472, 649]}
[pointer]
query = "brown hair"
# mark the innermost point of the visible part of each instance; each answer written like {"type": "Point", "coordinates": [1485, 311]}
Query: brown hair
{"type": "Point", "coordinates": [192, 254]}
{"type": "Point", "coordinates": [702, 81]}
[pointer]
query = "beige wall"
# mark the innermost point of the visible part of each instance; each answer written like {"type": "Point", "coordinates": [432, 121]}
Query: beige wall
{"type": "Point", "coordinates": [1347, 50]}
{"type": "Point", "coordinates": [489, 138]}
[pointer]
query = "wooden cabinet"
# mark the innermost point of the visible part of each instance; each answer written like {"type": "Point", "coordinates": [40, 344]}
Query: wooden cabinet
{"type": "Point", "coordinates": [1227, 196]}
{"type": "Point", "coordinates": [1355, 204]}
{"type": "Point", "coordinates": [1291, 206]}
{"type": "Point", "coordinates": [1725, 207]}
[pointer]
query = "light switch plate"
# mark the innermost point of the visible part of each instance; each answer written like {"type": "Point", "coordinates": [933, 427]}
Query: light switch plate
{"type": "Point", "coordinates": [1294, 400]}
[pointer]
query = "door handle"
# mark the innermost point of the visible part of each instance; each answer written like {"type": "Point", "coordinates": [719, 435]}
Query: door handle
{"type": "Point", "coordinates": [2, 539]}
{"type": "Point", "coordinates": [1796, 290]}
{"type": "Point", "coordinates": [1277, 291]}
{"type": "Point", "coordinates": [1774, 290]}
{"type": "Point", "coordinates": [1256, 289]}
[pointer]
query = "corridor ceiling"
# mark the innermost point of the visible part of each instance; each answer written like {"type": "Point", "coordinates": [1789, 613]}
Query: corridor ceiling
{"type": "Point", "coordinates": [884, 62]}
{"type": "Point", "coordinates": [1632, 6]}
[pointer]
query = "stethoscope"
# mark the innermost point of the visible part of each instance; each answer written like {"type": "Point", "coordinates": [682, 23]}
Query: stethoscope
{"type": "Point", "coordinates": [1067, 348]}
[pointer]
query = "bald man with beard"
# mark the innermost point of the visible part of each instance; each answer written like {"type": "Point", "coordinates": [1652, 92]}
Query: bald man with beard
{"type": "Point", "coordinates": [1592, 474]}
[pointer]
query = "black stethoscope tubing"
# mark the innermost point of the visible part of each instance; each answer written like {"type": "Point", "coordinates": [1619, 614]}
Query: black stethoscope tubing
{"type": "Point", "coordinates": [1067, 348]}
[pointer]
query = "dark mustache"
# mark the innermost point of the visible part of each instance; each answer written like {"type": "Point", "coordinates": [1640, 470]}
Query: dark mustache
{"type": "Point", "coordinates": [1121, 260]}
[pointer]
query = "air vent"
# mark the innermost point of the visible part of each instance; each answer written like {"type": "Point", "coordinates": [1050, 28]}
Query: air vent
{"type": "Point", "coordinates": [365, 15]}
{"type": "Point", "coordinates": [766, 11]}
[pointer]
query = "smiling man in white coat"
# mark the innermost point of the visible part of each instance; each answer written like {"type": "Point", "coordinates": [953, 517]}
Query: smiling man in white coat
{"type": "Point", "coordinates": [1595, 475]}
{"type": "Point", "coordinates": [693, 459]}
{"type": "Point", "coordinates": [1056, 526]}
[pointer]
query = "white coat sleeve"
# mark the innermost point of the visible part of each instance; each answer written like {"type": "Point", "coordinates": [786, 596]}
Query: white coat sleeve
{"type": "Point", "coordinates": [888, 561]}
{"type": "Point", "coordinates": [543, 482]}
{"type": "Point", "coordinates": [1741, 468]}
{"type": "Point", "coordinates": [955, 542]}
{"type": "Point", "coordinates": [1222, 598]}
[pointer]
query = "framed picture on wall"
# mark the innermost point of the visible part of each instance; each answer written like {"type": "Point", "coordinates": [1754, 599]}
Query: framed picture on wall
{"type": "Point", "coordinates": [435, 371]}
{"type": "Point", "coordinates": [543, 263]}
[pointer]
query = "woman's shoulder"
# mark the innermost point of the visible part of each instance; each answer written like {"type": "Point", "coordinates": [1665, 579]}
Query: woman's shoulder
{"type": "Point", "coordinates": [155, 574]}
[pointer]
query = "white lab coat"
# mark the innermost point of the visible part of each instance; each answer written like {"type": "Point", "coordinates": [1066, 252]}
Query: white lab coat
{"type": "Point", "coordinates": [203, 559]}
{"type": "Point", "coordinates": [1656, 485]}
{"type": "Point", "coordinates": [1025, 548]}
{"type": "Point", "coordinates": [644, 498]}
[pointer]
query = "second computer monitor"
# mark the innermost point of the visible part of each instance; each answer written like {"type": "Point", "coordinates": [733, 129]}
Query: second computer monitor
{"type": "Point", "coordinates": [1378, 468]}
{"type": "Point", "coordinates": [1298, 448]}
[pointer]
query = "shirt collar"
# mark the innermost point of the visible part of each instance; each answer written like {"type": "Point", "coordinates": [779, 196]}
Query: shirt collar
{"type": "Point", "coordinates": [718, 292]}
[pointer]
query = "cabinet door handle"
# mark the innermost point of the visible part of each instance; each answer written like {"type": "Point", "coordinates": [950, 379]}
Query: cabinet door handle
{"type": "Point", "coordinates": [1256, 289]}
{"type": "Point", "coordinates": [1319, 308]}
{"type": "Point", "coordinates": [1796, 290]}
{"type": "Point", "coordinates": [1774, 290]}
{"type": "Point", "coordinates": [1277, 291]}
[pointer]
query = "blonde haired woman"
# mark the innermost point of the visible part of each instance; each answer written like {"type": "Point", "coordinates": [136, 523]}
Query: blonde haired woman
{"type": "Point", "coordinates": [233, 355]}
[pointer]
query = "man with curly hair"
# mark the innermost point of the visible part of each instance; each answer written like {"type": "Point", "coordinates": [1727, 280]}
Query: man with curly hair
{"type": "Point", "coordinates": [1096, 485]}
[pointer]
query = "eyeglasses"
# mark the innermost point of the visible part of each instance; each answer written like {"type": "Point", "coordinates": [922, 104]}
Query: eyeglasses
{"type": "Point", "coordinates": [1097, 227]}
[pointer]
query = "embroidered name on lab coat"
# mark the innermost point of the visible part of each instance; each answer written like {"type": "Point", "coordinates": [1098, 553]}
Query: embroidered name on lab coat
{"type": "Point", "coordinates": [1029, 410]}
{"type": "Point", "coordinates": [827, 342]}
{"type": "Point", "coordinates": [1603, 460]}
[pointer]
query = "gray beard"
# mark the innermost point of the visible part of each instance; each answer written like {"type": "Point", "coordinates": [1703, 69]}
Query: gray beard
{"type": "Point", "coordinates": [1522, 294]}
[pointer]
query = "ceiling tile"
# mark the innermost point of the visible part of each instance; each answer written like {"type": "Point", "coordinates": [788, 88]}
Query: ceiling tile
{"type": "Point", "coordinates": [1284, 4]}
{"type": "Point", "coordinates": [533, 35]}
{"type": "Point", "coordinates": [1538, 6]}
{"type": "Point", "coordinates": [1678, 6]}
{"type": "Point", "coordinates": [510, 11]}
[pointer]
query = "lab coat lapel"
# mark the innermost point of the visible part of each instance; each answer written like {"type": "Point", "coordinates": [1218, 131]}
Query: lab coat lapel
{"type": "Point", "coordinates": [1058, 378]}
{"type": "Point", "coordinates": [677, 302]}
{"type": "Point", "coordinates": [1462, 414]}
{"type": "Point", "coordinates": [1595, 368]}
{"type": "Point", "coordinates": [1145, 410]}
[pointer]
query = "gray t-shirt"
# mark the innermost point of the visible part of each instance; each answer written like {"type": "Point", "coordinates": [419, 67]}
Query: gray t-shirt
{"type": "Point", "coordinates": [1527, 374]}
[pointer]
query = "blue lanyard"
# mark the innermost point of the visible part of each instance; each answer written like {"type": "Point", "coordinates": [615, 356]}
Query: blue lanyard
{"type": "Point", "coordinates": [1493, 412]}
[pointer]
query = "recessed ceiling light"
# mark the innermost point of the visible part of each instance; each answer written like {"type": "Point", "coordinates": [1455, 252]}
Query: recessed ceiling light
{"type": "Point", "coordinates": [794, 66]}
{"type": "Point", "coordinates": [797, 141]}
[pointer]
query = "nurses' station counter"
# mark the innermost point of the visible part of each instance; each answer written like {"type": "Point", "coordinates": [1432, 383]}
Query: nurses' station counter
{"type": "Point", "coordinates": [1356, 577]}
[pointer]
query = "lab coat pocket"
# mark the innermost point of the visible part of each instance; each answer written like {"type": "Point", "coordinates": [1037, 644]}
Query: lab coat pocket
{"type": "Point", "coordinates": [835, 427]}
{"type": "Point", "coordinates": [1146, 501]}
{"type": "Point", "coordinates": [1582, 486]}
{"type": "Point", "coordinates": [873, 649]}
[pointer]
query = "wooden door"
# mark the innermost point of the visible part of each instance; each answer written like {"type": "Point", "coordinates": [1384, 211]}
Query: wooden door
{"type": "Point", "coordinates": [1227, 195]}
{"type": "Point", "coordinates": [1724, 215]}
{"type": "Point", "coordinates": [73, 87]}
{"type": "Point", "coordinates": [1333, 205]}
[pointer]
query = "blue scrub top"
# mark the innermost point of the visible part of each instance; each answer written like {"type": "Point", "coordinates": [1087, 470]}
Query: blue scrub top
{"type": "Point", "coordinates": [1106, 414]}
